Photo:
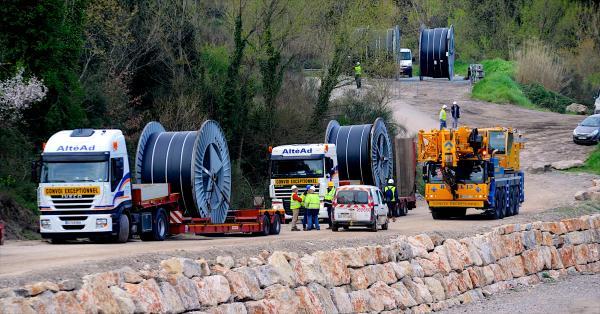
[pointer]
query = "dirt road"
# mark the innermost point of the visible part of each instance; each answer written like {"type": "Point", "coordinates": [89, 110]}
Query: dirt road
{"type": "Point", "coordinates": [416, 105]}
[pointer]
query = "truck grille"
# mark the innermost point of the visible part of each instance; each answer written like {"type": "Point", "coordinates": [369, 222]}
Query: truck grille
{"type": "Point", "coordinates": [73, 203]}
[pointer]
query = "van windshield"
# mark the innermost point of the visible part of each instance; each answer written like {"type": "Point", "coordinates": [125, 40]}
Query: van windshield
{"type": "Point", "coordinates": [53, 172]}
{"type": "Point", "coordinates": [352, 197]}
{"type": "Point", "coordinates": [405, 55]}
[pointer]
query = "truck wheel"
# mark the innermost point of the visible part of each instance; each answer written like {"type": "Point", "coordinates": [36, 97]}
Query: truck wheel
{"type": "Point", "coordinates": [123, 234]}
{"type": "Point", "coordinates": [276, 226]}
{"type": "Point", "coordinates": [459, 212]}
{"type": "Point", "coordinates": [159, 228]}
{"type": "Point", "coordinates": [498, 212]}
{"type": "Point", "coordinates": [439, 213]}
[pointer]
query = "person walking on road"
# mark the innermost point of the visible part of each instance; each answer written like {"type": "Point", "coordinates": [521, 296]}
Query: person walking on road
{"type": "Point", "coordinates": [455, 111]}
{"type": "Point", "coordinates": [358, 74]}
{"type": "Point", "coordinates": [443, 117]}
{"type": "Point", "coordinates": [328, 201]}
{"type": "Point", "coordinates": [391, 198]}
{"type": "Point", "coordinates": [295, 204]}
{"type": "Point", "coordinates": [312, 203]}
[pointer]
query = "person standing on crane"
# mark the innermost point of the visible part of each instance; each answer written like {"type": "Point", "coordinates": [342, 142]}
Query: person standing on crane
{"type": "Point", "coordinates": [358, 74]}
{"type": "Point", "coordinates": [295, 204]}
{"type": "Point", "coordinates": [391, 198]}
{"type": "Point", "coordinates": [312, 203]}
{"type": "Point", "coordinates": [443, 117]}
{"type": "Point", "coordinates": [328, 202]}
{"type": "Point", "coordinates": [455, 111]}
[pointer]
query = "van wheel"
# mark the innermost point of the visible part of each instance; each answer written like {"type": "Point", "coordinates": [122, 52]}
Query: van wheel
{"type": "Point", "coordinates": [57, 241]}
{"type": "Point", "coordinates": [385, 225]}
{"type": "Point", "coordinates": [123, 234]}
{"type": "Point", "coordinates": [276, 226]}
{"type": "Point", "coordinates": [335, 227]}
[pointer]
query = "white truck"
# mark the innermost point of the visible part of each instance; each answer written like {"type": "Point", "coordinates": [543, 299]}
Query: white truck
{"type": "Point", "coordinates": [301, 165]}
{"type": "Point", "coordinates": [406, 62]}
{"type": "Point", "coordinates": [85, 191]}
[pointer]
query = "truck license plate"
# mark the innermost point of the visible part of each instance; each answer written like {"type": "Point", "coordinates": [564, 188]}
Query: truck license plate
{"type": "Point", "coordinates": [75, 222]}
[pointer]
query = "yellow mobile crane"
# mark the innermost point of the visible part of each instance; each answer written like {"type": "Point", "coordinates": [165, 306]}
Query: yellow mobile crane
{"type": "Point", "coordinates": [472, 168]}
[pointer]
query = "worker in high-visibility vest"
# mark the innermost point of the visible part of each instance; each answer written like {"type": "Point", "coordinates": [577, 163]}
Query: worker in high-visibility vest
{"type": "Point", "coordinates": [303, 205]}
{"type": "Point", "coordinates": [443, 117]}
{"type": "Point", "coordinates": [390, 195]}
{"type": "Point", "coordinates": [312, 202]}
{"type": "Point", "coordinates": [328, 202]}
{"type": "Point", "coordinates": [295, 204]}
{"type": "Point", "coordinates": [358, 74]}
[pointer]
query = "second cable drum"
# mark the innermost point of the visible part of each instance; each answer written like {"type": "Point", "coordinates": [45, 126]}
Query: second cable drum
{"type": "Point", "coordinates": [436, 53]}
{"type": "Point", "coordinates": [364, 152]}
{"type": "Point", "coordinates": [194, 163]}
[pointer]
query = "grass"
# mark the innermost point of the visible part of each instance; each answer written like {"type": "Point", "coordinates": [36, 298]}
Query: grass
{"type": "Point", "coordinates": [592, 163]}
{"type": "Point", "coordinates": [498, 86]}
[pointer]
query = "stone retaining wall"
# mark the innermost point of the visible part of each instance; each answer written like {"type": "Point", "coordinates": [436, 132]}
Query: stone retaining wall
{"type": "Point", "coordinates": [412, 274]}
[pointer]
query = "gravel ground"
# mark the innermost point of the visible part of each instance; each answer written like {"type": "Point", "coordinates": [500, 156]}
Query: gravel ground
{"type": "Point", "coordinates": [575, 294]}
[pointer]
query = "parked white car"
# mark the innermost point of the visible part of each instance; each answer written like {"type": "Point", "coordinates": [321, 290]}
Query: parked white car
{"type": "Point", "coordinates": [359, 205]}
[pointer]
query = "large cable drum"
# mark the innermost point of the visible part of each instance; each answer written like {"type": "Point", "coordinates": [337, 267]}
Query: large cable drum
{"type": "Point", "coordinates": [364, 152]}
{"type": "Point", "coordinates": [436, 52]}
{"type": "Point", "coordinates": [195, 164]}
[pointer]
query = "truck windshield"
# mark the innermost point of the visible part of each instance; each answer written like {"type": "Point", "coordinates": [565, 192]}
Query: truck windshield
{"type": "Point", "coordinates": [295, 168]}
{"type": "Point", "coordinates": [96, 171]}
{"type": "Point", "coordinates": [405, 55]}
{"type": "Point", "coordinates": [468, 171]}
{"type": "Point", "coordinates": [497, 142]}
{"type": "Point", "coordinates": [352, 197]}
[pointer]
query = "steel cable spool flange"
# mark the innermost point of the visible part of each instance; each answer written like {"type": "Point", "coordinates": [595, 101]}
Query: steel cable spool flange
{"type": "Point", "coordinates": [212, 172]}
{"type": "Point", "coordinates": [150, 129]}
{"type": "Point", "coordinates": [381, 153]}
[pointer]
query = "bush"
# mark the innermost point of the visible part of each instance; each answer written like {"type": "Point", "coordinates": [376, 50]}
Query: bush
{"type": "Point", "coordinates": [592, 163]}
{"type": "Point", "coordinates": [538, 63]}
{"type": "Point", "coordinates": [544, 98]}
{"type": "Point", "coordinates": [353, 108]}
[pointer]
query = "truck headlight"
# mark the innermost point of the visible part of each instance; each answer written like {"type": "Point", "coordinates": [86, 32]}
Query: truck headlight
{"type": "Point", "coordinates": [45, 223]}
{"type": "Point", "coordinates": [101, 222]}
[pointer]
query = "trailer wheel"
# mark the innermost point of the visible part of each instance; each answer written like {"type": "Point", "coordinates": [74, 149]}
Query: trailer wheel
{"type": "Point", "coordinates": [266, 226]}
{"type": "Point", "coordinates": [403, 209]}
{"type": "Point", "coordinates": [276, 226]}
{"type": "Point", "coordinates": [159, 228]}
{"type": "Point", "coordinates": [123, 234]}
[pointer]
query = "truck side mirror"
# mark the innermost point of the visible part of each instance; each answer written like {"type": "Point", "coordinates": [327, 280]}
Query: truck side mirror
{"type": "Point", "coordinates": [425, 171]}
{"type": "Point", "coordinates": [35, 171]}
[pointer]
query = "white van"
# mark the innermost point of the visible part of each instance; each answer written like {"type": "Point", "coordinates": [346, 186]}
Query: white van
{"type": "Point", "coordinates": [406, 62]}
{"type": "Point", "coordinates": [359, 205]}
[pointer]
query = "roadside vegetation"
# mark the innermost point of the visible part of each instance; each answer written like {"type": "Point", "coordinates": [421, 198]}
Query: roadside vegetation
{"type": "Point", "coordinates": [592, 163]}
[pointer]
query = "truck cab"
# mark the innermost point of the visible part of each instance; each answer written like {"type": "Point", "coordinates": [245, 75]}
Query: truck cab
{"type": "Point", "coordinates": [406, 62]}
{"type": "Point", "coordinates": [84, 185]}
{"type": "Point", "coordinates": [301, 165]}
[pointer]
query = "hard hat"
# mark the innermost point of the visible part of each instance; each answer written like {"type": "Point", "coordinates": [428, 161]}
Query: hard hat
{"type": "Point", "coordinates": [294, 187]}
{"type": "Point", "coordinates": [330, 184]}
{"type": "Point", "coordinates": [444, 107]}
{"type": "Point", "coordinates": [308, 187]}
{"type": "Point", "coordinates": [454, 102]}
{"type": "Point", "coordinates": [391, 181]}
{"type": "Point", "coordinates": [357, 63]}
{"type": "Point", "coordinates": [312, 188]}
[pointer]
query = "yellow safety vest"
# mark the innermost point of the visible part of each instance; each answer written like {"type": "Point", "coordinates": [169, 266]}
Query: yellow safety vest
{"type": "Point", "coordinates": [294, 204]}
{"type": "Point", "coordinates": [390, 187]}
{"type": "Point", "coordinates": [358, 70]}
{"type": "Point", "coordinates": [443, 115]}
{"type": "Point", "coordinates": [312, 201]}
{"type": "Point", "coordinates": [329, 195]}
